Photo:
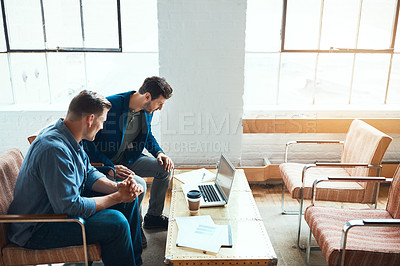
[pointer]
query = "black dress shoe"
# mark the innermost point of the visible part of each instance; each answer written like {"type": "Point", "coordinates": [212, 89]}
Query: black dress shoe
{"type": "Point", "coordinates": [144, 239]}
{"type": "Point", "coordinates": [152, 222]}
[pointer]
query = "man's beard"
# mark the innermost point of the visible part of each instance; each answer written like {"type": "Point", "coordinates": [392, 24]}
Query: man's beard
{"type": "Point", "coordinates": [147, 108]}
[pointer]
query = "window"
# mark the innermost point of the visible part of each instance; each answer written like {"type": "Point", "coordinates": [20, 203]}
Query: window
{"type": "Point", "coordinates": [332, 53]}
{"type": "Point", "coordinates": [50, 50]}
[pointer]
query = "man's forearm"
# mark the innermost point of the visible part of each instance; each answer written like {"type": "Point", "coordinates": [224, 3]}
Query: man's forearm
{"type": "Point", "coordinates": [106, 201]}
{"type": "Point", "coordinates": [104, 185]}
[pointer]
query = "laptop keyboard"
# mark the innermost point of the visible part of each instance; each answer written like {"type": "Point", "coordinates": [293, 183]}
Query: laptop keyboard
{"type": "Point", "coordinates": [208, 193]}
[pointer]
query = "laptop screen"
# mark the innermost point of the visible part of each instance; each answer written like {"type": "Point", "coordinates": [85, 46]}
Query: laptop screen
{"type": "Point", "coordinates": [225, 174]}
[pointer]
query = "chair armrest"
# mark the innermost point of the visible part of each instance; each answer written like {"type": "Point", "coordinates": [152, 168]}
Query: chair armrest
{"type": "Point", "coordinates": [48, 218]}
{"type": "Point", "coordinates": [337, 165]}
{"type": "Point", "coordinates": [309, 142]}
{"type": "Point", "coordinates": [97, 164]}
{"type": "Point", "coordinates": [377, 179]}
{"type": "Point", "coordinates": [347, 165]}
{"type": "Point", "coordinates": [30, 217]}
{"type": "Point", "coordinates": [359, 178]}
{"type": "Point", "coordinates": [365, 222]}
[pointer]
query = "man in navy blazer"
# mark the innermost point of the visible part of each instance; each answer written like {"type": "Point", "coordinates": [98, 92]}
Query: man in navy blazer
{"type": "Point", "coordinates": [126, 133]}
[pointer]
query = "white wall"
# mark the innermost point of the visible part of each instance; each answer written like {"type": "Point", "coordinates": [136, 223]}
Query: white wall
{"type": "Point", "coordinates": [17, 125]}
{"type": "Point", "coordinates": [201, 54]}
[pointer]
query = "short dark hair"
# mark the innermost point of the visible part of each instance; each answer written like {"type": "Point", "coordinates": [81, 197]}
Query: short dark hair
{"type": "Point", "coordinates": [156, 86]}
{"type": "Point", "coordinates": [86, 103]}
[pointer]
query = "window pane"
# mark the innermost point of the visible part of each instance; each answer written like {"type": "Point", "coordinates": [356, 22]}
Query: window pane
{"type": "Point", "coordinates": [263, 25]}
{"type": "Point", "coordinates": [376, 24]}
{"type": "Point", "coordinates": [24, 22]}
{"type": "Point", "coordinates": [139, 25]}
{"type": "Point", "coordinates": [394, 85]}
{"type": "Point", "coordinates": [339, 24]}
{"type": "Point", "coordinates": [66, 76]}
{"type": "Point", "coordinates": [118, 72]}
{"type": "Point", "coordinates": [261, 79]}
{"type": "Point", "coordinates": [100, 20]}
{"type": "Point", "coordinates": [302, 24]}
{"type": "Point", "coordinates": [297, 79]}
{"type": "Point", "coordinates": [5, 88]}
{"type": "Point", "coordinates": [63, 23]}
{"type": "Point", "coordinates": [370, 79]}
{"type": "Point", "coordinates": [29, 78]}
{"type": "Point", "coordinates": [333, 78]}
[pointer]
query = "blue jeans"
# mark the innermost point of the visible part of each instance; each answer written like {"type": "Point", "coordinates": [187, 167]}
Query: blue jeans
{"type": "Point", "coordinates": [117, 230]}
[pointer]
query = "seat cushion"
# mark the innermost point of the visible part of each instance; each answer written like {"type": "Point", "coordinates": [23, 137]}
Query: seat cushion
{"type": "Point", "coordinates": [332, 191]}
{"type": "Point", "coordinates": [365, 245]}
{"type": "Point", "coordinates": [14, 255]}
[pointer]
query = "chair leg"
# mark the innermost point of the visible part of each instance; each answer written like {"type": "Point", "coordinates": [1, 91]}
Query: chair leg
{"type": "Point", "coordinates": [308, 251]}
{"type": "Point", "coordinates": [283, 211]}
{"type": "Point", "coordinates": [300, 216]}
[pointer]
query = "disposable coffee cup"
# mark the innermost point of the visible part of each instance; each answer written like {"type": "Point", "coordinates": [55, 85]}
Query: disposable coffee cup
{"type": "Point", "coordinates": [193, 197]}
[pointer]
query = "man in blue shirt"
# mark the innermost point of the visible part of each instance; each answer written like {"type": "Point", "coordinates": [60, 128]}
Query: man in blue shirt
{"type": "Point", "coordinates": [54, 178]}
{"type": "Point", "coordinates": [126, 133]}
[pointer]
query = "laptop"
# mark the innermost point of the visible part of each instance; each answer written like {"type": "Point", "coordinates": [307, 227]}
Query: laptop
{"type": "Point", "coordinates": [215, 193]}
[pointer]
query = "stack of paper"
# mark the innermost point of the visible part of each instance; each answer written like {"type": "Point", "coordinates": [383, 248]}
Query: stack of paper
{"type": "Point", "coordinates": [196, 176]}
{"type": "Point", "coordinates": [200, 232]}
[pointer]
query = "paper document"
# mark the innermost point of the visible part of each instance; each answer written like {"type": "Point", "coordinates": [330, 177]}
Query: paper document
{"type": "Point", "coordinates": [226, 235]}
{"type": "Point", "coordinates": [200, 232]}
{"type": "Point", "coordinates": [196, 176]}
{"type": "Point", "coordinates": [203, 237]}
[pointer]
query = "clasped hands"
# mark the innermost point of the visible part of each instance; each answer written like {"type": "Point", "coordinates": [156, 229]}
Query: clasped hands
{"type": "Point", "coordinates": [128, 189]}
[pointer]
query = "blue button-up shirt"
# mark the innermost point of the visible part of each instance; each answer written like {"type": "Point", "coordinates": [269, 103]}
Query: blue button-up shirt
{"type": "Point", "coordinates": [52, 177]}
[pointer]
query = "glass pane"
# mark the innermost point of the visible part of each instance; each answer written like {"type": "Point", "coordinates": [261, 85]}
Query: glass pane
{"type": "Point", "coordinates": [29, 78]}
{"type": "Point", "coordinates": [263, 25]}
{"type": "Point", "coordinates": [66, 76]}
{"type": "Point", "coordinates": [114, 73]}
{"type": "Point", "coordinates": [63, 23]}
{"type": "Point", "coordinates": [394, 85]}
{"type": "Point", "coordinates": [370, 79]}
{"type": "Point", "coordinates": [24, 21]}
{"type": "Point", "coordinates": [101, 23]}
{"type": "Point", "coordinates": [139, 25]}
{"type": "Point", "coordinates": [333, 78]}
{"type": "Point", "coordinates": [5, 88]}
{"type": "Point", "coordinates": [302, 24]}
{"type": "Point", "coordinates": [261, 80]}
{"type": "Point", "coordinates": [339, 24]}
{"type": "Point", "coordinates": [376, 24]}
{"type": "Point", "coordinates": [297, 78]}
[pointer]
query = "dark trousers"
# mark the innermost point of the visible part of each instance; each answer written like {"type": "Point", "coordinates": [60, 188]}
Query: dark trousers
{"type": "Point", "coordinates": [117, 230]}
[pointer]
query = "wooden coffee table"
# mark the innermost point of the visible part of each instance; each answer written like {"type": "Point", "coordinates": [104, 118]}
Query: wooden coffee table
{"type": "Point", "coordinates": [251, 243]}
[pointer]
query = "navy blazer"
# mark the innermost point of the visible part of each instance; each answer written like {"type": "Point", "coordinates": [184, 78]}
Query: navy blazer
{"type": "Point", "coordinates": [108, 140]}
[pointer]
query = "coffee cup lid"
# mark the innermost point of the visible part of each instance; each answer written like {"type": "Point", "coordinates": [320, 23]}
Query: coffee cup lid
{"type": "Point", "coordinates": [193, 194]}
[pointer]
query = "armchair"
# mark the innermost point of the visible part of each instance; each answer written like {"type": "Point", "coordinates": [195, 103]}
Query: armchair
{"type": "Point", "coordinates": [10, 254]}
{"type": "Point", "coordinates": [362, 153]}
{"type": "Point", "coordinates": [357, 236]}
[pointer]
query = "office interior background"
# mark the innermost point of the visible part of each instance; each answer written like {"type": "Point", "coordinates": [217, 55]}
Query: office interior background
{"type": "Point", "coordinates": [227, 60]}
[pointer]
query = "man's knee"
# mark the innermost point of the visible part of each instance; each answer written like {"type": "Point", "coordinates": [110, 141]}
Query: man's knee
{"type": "Point", "coordinates": [115, 221]}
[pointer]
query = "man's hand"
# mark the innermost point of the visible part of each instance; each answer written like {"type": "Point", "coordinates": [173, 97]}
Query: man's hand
{"type": "Point", "coordinates": [166, 161]}
{"type": "Point", "coordinates": [128, 190]}
{"type": "Point", "coordinates": [121, 172]}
